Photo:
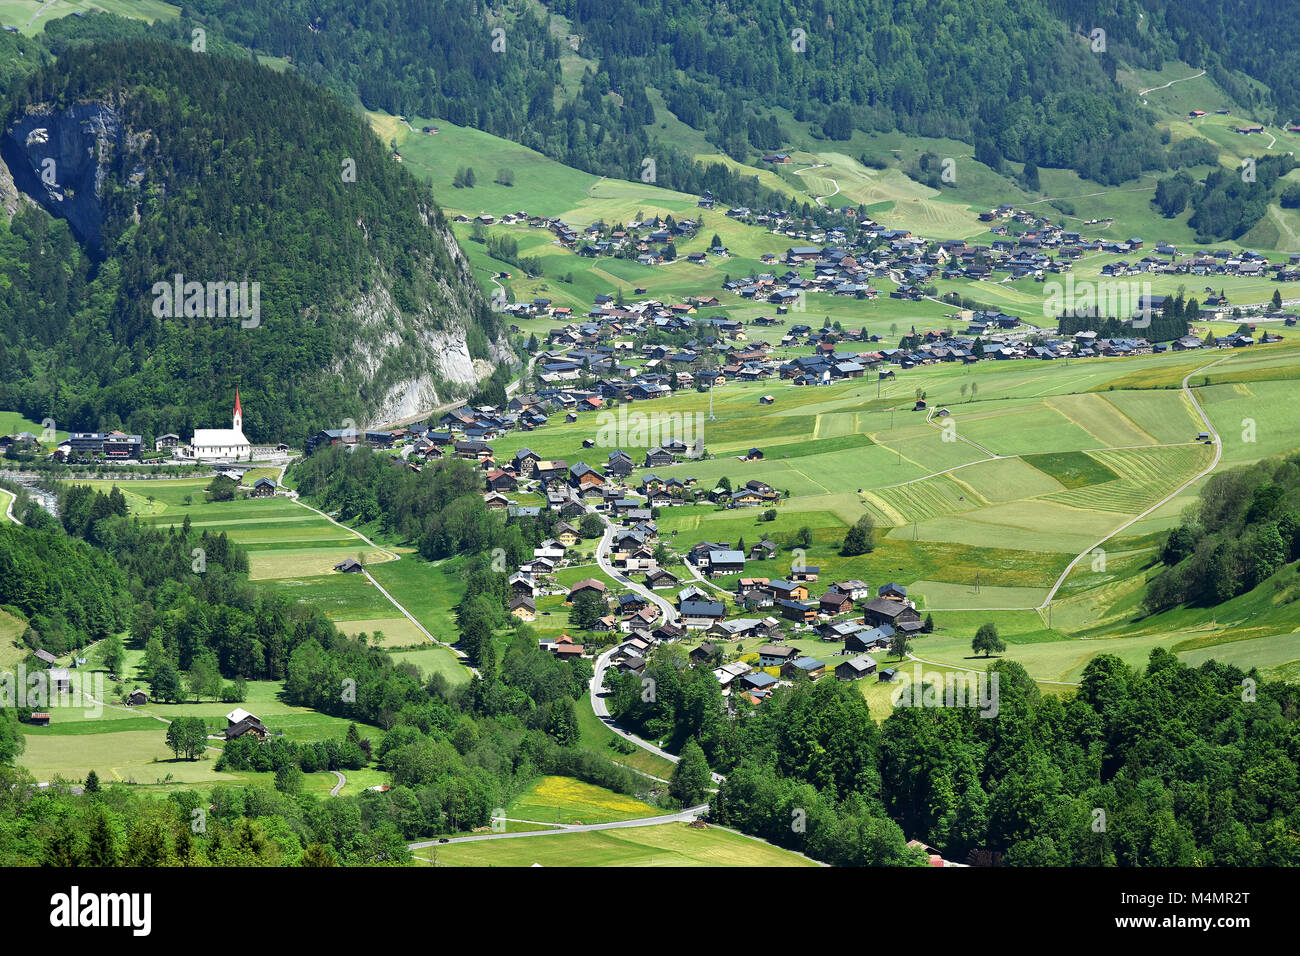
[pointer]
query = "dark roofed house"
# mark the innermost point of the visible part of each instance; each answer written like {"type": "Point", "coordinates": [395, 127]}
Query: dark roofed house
{"type": "Point", "coordinates": [587, 584]}
{"type": "Point", "coordinates": [705, 652]}
{"type": "Point", "coordinates": [348, 566]}
{"type": "Point", "coordinates": [869, 640]}
{"type": "Point", "coordinates": [835, 602]}
{"type": "Point", "coordinates": [860, 666]}
{"type": "Point", "coordinates": [240, 722]}
{"type": "Point", "coordinates": [697, 615]}
{"type": "Point", "coordinates": [880, 611]}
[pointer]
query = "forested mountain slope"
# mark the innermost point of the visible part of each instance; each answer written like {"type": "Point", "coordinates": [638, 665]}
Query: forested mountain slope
{"type": "Point", "coordinates": [157, 162]}
{"type": "Point", "coordinates": [1018, 79]}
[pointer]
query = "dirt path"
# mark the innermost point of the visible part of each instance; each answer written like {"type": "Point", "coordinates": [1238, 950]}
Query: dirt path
{"type": "Point", "coordinates": [1164, 86]}
{"type": "Point", "coordinates": [1218, 455]}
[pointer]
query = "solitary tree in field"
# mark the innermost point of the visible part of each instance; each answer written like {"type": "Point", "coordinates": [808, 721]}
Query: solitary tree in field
{"type": "Point", "coordinates": [165, 684]}
{"type": "Point", "coordinates": [113, 655]}
{"type": "Point", "coordinates": [898, 644]}
{"type": "Point", "coordinates": [861, 538]}
{"type": "Point", "coordinates": [505, 176]}
{"type": "Point", "coordinates": [987, 640]}
{"type": "Point", "coordinates": [690, 780]}
{"type": "Point", "coordinates": [186, 735]}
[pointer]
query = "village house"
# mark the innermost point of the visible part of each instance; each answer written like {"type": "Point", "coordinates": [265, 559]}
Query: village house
{"type": "Point", "coordinates": [879, 611]}
{"type": "Point", "coordinates": [776, 655]}
{"type": "Point", "coordinates": [857, 668]}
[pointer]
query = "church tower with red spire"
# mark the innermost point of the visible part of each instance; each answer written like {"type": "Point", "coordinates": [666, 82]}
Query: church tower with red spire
{"type": "Point", "coordinates": [239, 414]}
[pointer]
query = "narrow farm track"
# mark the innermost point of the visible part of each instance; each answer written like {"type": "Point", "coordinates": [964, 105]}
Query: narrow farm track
{"type": "Point", "coordinates": [685, 816]}
{"type": "Point", "coordinates": [460, 655]}
{"type": "Point", "coordinates": [818, 199]}
{"type": "Point", "coordinates": [294, 498]}
{"type": "Point", "coordinates": [1218, 456]}
{"type": "Point", "coordinates": [334, 791]}
{"type": "Point", "coordinates": [1165, 86]}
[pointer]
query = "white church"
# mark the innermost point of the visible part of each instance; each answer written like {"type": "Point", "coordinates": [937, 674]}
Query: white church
{"type": "Point", "coordinates": [223, 444]}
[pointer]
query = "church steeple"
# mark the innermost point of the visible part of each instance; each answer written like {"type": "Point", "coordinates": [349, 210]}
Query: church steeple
{"type": "Point", "coordinates": [239, 414]}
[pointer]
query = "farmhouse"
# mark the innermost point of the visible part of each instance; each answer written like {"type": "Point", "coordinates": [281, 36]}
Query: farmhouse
{"type": "Point", "coordinates": [704, 653]}
{"type": "Point", "coordinates": [263, 488]}
{"type": "Point", "coordinates": [858, 667]}
{"type": "Point", "coordinates": [697, 615]}
{"type": "Point", "coordinates": [775, 655]}
{"type": "Point", "coordinates": [880, 611]}
{"type": "Point", "coordinates": [810, 666]}
{"type": "Point", "coordinates": [587, 585]}
{"type": "Point", "coordinates": [835, 602]}
{"type": "Point", "coordinates": [726, 562]}
{"type": "Point", "coordinates": [869, 640]}
{"type": "Point", "coordinates": [788, 590]}
{"type": "Point", "coordinates": [240, 722]}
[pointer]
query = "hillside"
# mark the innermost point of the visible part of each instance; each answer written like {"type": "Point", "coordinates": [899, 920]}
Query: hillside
{"type": "Point", "coordinates": [159, 162]}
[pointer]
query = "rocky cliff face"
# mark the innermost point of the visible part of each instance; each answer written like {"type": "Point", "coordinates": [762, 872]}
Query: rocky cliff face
{"type": "Point", "coordinates": [61, 160]}
{"type": "Point", "coordinates": [401, 365]}
{"type": "Point", "coordinates": [409, 365]}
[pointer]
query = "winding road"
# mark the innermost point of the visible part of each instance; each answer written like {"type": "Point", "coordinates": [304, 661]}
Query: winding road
{"type": "Point", "coordinates": [818, 199]}
{"type": "Point", "coordinates": [596, 688]}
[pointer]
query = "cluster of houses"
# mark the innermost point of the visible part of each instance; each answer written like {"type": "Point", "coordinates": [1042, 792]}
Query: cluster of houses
{"type": "Point", "coordinates": [650, 241]}
{"type": "Point", "coordinates": [837, 617]}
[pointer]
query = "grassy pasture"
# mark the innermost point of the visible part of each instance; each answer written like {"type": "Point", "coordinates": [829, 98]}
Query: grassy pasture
{"type": "Point", "coordinates": [669, 844]}
{"type": "Point", "coordinates": [565, 800]}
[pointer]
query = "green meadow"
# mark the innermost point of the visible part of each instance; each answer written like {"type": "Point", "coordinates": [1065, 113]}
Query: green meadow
{"type": "Point", "coordinates": [668, 844]}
